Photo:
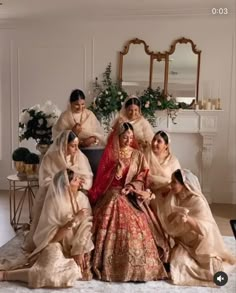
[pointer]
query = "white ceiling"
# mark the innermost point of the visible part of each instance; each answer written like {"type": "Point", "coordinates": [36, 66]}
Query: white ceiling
{"type": "Point", "coordinates": [51, 9]}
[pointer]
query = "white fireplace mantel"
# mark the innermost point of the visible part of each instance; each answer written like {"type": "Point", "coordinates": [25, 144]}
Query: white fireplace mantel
{"type": "Point", "coordinates": [201, 122]}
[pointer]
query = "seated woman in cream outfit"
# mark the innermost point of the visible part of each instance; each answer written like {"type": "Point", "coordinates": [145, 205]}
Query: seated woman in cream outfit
{"type": "Point", "coordinates": [63, 238]}
{"type": "Point", "coordinates": [81, 120]}
{"type": "Point", "coordinates": [162, 163]}
{"type": "Point", "coordinates": [63, 153]}
{"type": "Point", "coordinates": [131, 112]}
{"type": "Point", "coordinates": [199, 250]}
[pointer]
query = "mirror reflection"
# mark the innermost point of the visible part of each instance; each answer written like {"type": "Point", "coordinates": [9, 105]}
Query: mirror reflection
{"type": "Point", "coordinates": [182, 73]}
{"type": "Point", "coordinates": [135, 67]}
{"type": "Point", "coordinates": [175, 71]}
{"type": "Point", "coordinates": [158, 76]}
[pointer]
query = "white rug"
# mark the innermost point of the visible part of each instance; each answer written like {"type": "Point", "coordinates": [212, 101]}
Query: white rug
{"type": "Point", "coordinates": [149, 287]}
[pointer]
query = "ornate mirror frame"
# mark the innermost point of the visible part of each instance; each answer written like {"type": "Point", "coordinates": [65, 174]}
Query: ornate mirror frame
{"type": "Point", "coordinates": [125, 51]}
{"type": "Point", "coordinates": [172, 50]}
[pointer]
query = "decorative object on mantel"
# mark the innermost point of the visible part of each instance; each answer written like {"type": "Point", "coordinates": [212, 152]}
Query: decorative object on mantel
{"type": "Point", "coordinates": [18, 156]}
{"type": "Point", "coordinates": [208, 104]}
{"type": "Point", "coordinates": [31, 165]}
{"type": "Point", "coordinates": [155, 99]}
{"type": "Point", "coordinates": [37, 122]}
{"type": "Point", "coordinates": [108, 98]}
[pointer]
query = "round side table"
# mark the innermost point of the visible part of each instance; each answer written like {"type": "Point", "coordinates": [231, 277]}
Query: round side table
{"type": "Point", "coordinates": [20, 190]}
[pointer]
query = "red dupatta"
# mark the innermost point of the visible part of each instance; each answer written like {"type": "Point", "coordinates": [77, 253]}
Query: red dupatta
{"type": "Point", "coordinates": [107, 166]}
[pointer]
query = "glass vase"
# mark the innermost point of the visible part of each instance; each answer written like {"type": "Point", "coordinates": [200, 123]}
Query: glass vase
{"type": "Point", "coordinates": [20, 168]}
{"type": "Point", "coordinates": [42, 148]}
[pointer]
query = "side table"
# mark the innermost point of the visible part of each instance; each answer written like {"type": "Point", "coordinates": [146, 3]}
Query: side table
{"type": "Point", "coordinates": [23, 190]}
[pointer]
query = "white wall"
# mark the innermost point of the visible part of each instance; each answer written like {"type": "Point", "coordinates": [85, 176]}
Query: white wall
{"type": "Point", "coordinates": [41, 61]}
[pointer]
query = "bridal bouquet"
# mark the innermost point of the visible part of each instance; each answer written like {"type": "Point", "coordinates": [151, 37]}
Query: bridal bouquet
{"type": "Point", "coordinates": [37, 122]}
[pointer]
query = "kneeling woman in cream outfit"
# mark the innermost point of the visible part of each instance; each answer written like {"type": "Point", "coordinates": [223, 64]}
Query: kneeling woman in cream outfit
{"type": "Point", "coordinates": [62, 238]}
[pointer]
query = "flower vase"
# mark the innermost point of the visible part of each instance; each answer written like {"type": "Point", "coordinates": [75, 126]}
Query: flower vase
{"type": "Point", "coordinates": [42, 148]}
{"type": "Point", "coordinates": [20, 168]}
{"type": "Point", "coordinates": [31, 171]}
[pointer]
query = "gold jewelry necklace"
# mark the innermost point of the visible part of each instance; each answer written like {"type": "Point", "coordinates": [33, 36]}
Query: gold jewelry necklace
{"type": "Point", "coordinates": [124, 153]}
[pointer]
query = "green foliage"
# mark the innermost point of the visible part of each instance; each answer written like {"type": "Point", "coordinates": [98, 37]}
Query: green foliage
{"type": "Point", "coordinates": [153, 100]}
{"type": "Point", "coordinates": [20, 154]}
{"type": "Point", "coordinates": [108, 97]}
{"type": "Point", "coordinates": [31, 158]}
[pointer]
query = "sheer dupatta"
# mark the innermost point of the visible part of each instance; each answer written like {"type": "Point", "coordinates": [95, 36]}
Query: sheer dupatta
{"type": "Point", "coordinates": [87, 119]}
{"type": "Point", "coordinates": [160, 173]}
{"type": "Point", "coordinates": [60, 206]}
{"type": "Point", "coordinates": [209, 242]}
{"type": "Point", "coordinates": [107, 166]}
{"type": "Point", "coordinates": [55, 160]}
{"type": "Point", "coordinates": [143, 130]}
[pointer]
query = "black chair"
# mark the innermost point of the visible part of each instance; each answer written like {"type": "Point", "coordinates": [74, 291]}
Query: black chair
{"type": "Point", "coordinates": [94, 155]}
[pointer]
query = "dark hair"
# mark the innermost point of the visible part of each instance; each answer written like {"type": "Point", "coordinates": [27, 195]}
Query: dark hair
{"type": "Point", "coordinates": [76, 95]}
{"type": "Point", "coordinates": [71, 137]}
{"type": "Point", "coordinates": [133, 101]}
{"type": "Point", "coordinates": [126, 126]}
{"type": "Point", "coordinates": [70, 174]}
{"type": "Point", "coordinates": [163, 135]}
{"type": "Point", "coordinates": [178, 176]}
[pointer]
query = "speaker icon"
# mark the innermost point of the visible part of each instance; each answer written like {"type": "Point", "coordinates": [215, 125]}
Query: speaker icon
{"type": "Point", "coordinates": [220, 278]}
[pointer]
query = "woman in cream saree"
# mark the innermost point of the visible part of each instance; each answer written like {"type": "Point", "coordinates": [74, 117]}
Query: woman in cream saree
{"type": "Point", "coordinates": [62, 238]}
{"type": "Point", "coordinates": [131, 112]}
{"type": "Point", "coordinates": [125, 249]}
{"type": "Point", "coordinates": [162, 163]}
{"type": "Point", "coordinates": [63, 153]}
{"type": "Point", "coordinates": [199, 250]}
{"type": "Point", "coordinates": [81, 120]}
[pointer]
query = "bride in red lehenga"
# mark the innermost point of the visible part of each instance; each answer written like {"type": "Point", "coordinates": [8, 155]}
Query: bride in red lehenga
{"type": "Point", "coordinates": [125, 248]}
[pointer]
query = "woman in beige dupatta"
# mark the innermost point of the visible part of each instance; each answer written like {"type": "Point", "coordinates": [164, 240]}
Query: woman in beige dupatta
{"type": "Point", "coordinates": [63, 153]}
{"type": "Point", "coordinates": [131, 112]}
{"type": "Point", "coordinates": [81, 120]}
{"type": "Point", "coordinates": [199, 250]}
{"type": "Point", "coordinates": [162, 163]}
{"type": "Point", "coordinates": [62, 238]}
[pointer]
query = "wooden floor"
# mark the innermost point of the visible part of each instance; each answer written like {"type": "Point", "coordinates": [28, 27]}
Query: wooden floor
{"type": "Point", "coordinates": [221, 212]}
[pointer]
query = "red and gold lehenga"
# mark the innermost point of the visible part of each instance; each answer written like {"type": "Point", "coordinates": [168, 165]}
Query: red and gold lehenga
{"type": "Point", "coordinates": [125, 248]}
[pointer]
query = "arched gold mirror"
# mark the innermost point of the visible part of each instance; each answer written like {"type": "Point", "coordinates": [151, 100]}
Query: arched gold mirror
{"type": "Point", "coordinates": [183, 62]}
{"type": "Point", "coordinates": [134, 66]}
{"type": "Point", "coordinates": [159, 71]}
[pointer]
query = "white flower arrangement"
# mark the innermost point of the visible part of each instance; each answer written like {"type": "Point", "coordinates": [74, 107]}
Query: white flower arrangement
{"type": "Point", "coordinates": [37, 122]}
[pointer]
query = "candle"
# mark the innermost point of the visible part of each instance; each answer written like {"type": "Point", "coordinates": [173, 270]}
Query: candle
{"type": "Point", "coordinates": [203, 104]}
{"type": "Point", "coordinates": [208, 104]}
{"type": "Point", "coordinates": [218, 104]}
{"type": "Point", "coordinates": [197, 107]}
{"type": "Point", "coordinates": [213, 107]}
